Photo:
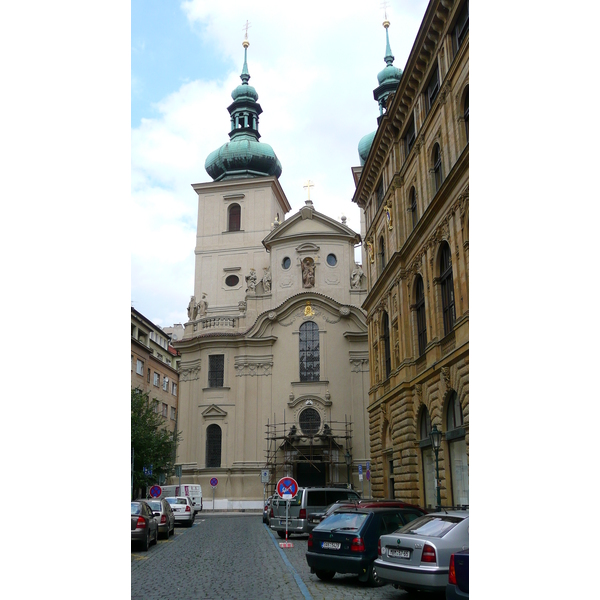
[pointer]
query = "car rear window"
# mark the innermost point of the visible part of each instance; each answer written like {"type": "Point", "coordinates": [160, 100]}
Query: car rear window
{"type": "Point", "coordinates": [136, 508]}
{"type": "Point", "coordinates": [335, 495]}
{"type": "Point", "coordinates": [295, 501]}
{"type": "Point", "coordinates": [155, 505]}
{"type": "Point", "coordinates": [432, 526]}
{"type": "Point", "coordinates": [342, 520]}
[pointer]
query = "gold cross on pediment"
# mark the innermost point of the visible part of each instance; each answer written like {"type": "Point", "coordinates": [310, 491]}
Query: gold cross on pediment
{"type": "Point", "coordinates": [308, 185]}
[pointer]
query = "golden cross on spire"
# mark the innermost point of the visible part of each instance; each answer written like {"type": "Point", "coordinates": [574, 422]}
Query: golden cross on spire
{"type": "Point", "coordinates": [308, 185]}
{"type": "Point", "coordinates": [246, 26]}
{"type": "Point", "coordinates": [385, 5]}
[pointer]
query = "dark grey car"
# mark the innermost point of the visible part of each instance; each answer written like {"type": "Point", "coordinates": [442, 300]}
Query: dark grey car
{"type": "Point", "coordinates": [164, 516]}
{"type": "Point", "coordinates": [144, 528]}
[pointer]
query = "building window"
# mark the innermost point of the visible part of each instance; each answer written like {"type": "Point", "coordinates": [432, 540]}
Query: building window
{"type": "Point", "coordinates": [381, 254]}
{"type": "Point", "coordinates": [380, 193]}
{"type": "Point", "coordinates": [148, 377]}
{"type": "Point", "coordinates": [421, 320]}
{"type": "Point", "coordinates": [165, 410]}
{"type": "Point", "coordinates": [166, 384]}
{"type": "Point", "coordinates": [213, 447]}
{"type": "Point", "coordinates": [286, 262]}
{"type": "Point", "coordinates": [132, 362]}
{"type": "Point", "coordinates": [385, 328]}
{"type": "Point", "coordinates": [413, 206]}
{"type": "Point", "coordinates": [433, 87]}
{"type": "Point", "coordinates": [139, 367]}
{"type": "Point", "coordinates": [428, 459]}
{"type": "Point", "coordinates": [457, 451]}
{"type": "Point", "coordinates": [331, 260]}
{"type": "Point", "coordinates": [310, 421]}
{"type": "Point", "coordinates": [174, 389]}
{"type": "Point", "coordinates": [461, 28]}
{"type": "Point", "coordinates": [437, 167]}
{"type": "Point", "coordinates": [411, 135]}
{"type": "Point", "coordinates": [155, 406]}
{"type": "Point", "coordinates": [234, 218]}
{"type": "Point", "coordinates": [156, 379]}
{"type": "Point", "coordinates": [232, 280]}
{"type": "Point", "coordinates": [216, 368]}
{"type": "Point", "coordinates": [466, 112]}
{"type": "Point", "coordinates": [447, 284]}
{"type": "Point", "coordinates": [309, 352]}
{"type": "Point", "coordinates": [173, 413]}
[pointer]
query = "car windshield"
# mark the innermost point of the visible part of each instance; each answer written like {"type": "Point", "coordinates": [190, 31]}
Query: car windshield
{"type": "Point", "coordinates": [155, 504]}
{"type": "Point", "coordinates": [136, 508]}
{"type": "Point", "coordinates": [432, 526]}
{"type": "Point", "coordinates": [342, 520]}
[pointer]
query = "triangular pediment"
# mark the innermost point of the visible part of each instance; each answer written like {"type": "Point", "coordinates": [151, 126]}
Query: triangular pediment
{"type": "Point", "coordinates": [214, 412]}
{"type": "Point", "coordinates": [301, 228]}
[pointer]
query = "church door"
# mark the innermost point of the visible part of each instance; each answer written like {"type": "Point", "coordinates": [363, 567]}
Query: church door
{"type": "Point", "coordinates": [311, 474]}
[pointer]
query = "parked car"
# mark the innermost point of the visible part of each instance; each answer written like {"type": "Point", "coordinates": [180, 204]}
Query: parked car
{"type": "Point", "coordinates": [417, 556]}
{"type": "Point", "coordinates": [346, 542]}
{"type": "Point", "coordinates": [164, 516]}
{"type": "Point", "coordinates": [144, 528]}
{"type": "Point", "coordinates": [267, 510]}
{"type": "Point", "coordinates": [458, 576]}
{"type": "Point", "coordinates": [306, 502]}
{"type": "Point", "coordinates": [367, 503]}
{"type": "Point", "coordinates": [183, 509]}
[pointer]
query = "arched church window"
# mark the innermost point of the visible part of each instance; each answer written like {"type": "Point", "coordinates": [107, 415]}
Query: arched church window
{"type": "Point", "coordinates": [385, 328]}
{"type": "Point", "coordinates": [234, 217]}
{"type": "Point", "coordinates": [213, 447]}
{"type": "Point", "coordinates": [427, 457]}
{"type": "Point", "coordinates": [421, 319]}
{"type": "Point", "coordinates": [310, 421]}
{"type": "Point", "coordinates": [447, 286]}
{"type": "Point", "coordinates": [309, 352]}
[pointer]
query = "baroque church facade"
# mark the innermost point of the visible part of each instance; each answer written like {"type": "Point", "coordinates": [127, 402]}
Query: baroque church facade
{"type": "Point", "coordinates": [274, 368]}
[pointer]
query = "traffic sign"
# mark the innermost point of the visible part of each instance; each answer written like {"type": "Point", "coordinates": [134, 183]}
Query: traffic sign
{"type": "Point", "coordinates": [287, 487]}
{"type": "Point", "coordinates": [368, 475]}
{"type": "Point", "coordinates": [155, 491]}
{"type": "Point", "coordinates": [264, 476]}
{"type": "Point", "coordinates": [360, 470]}
{"type": "Point", "coordinates": [214, 482]}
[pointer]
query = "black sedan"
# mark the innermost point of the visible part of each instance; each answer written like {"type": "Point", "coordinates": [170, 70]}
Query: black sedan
{"type": "Point", "coordinates": [346, 541]}
{"type": "Point", "coordinates": [144, 528]}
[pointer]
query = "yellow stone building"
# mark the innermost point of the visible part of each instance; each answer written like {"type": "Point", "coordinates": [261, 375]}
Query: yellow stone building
{"type": "Point", "coordinates": [414, 190]}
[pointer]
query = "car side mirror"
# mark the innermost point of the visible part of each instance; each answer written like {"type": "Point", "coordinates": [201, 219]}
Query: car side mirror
{"type": "Point", "coordinates": [156, 514]}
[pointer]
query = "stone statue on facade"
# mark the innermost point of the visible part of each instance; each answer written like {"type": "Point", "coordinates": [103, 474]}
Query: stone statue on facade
{"type": "Point", "coordinates": [192, 309]}
{"type": "Point", "coordinates": [308, 273]}
{"type": "Point", "coordinates": [356, 276]}
{"type": "Point", "coordinates": [202, 306]}
{"type": "Point", "coordinates": [251, 281]}
{"type": "Point", "coordinates": [267, 279]}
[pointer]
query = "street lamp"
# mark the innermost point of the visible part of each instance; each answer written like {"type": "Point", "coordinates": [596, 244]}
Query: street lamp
{"type": "Point", "coordinates": [436, 439]}
{"type": "Point", "coordinates": [348, 463]}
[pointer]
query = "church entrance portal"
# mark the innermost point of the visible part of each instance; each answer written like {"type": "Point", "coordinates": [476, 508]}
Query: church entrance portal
{"type": "Point", "coordinates": [311, 474]}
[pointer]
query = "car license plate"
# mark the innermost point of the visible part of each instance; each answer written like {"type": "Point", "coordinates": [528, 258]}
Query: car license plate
{"type": "Point", "coordinates": [397, 553]}
{"type": "Point", "coordinates": [331, 545]}
{"type": "Point", "coordinates": [283, 523]}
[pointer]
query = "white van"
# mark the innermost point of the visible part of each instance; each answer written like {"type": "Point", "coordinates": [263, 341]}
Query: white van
{"type": "Point", "coordinates": [193, 490]}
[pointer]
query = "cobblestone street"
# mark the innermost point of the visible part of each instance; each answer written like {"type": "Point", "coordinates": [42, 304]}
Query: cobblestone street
{"type": "Point", "coordinates": [234, 555]}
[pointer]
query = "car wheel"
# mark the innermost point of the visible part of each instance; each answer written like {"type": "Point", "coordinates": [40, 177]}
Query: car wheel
{"type": "Point", "coordinates": [281, 534]}
{"type": "Point", "coordinates": [372, 578]}
{"type": "Point", "coordinates": [325, 575]}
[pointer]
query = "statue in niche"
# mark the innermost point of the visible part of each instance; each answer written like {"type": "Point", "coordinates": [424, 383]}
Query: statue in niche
{"type": "Point", "coordinates": [267, 279]}
{"type": "Point", "coordinates": [308, 273]}
{"type": "Point", "coordinates": [202, 306]}
{"type": "Point", "coordinates": [251, 281]}
{"type": "Point", "coordinates": [192, 309]}
{"type": "Point", "coordinates": [356, 276]}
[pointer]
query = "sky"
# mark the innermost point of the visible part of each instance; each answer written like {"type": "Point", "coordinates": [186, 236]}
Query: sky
{"type": "Point", "coordinates": [314, 66]}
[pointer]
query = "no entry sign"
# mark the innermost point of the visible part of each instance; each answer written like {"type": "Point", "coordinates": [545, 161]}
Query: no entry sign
{"type": "Point", "coordinates": [287, 487]}
{"type": "Point", "coordinates": [155, 491]}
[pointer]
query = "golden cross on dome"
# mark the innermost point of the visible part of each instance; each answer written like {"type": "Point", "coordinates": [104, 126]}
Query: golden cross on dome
{"type": "Point", "coordinates": [308, 185]}
{"type": "Point", "coordinates": [385, 5]}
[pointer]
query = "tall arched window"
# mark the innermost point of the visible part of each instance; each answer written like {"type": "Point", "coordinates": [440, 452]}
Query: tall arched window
{"type": "Point", "coordinates": [421, 320]}
{"type": "Point", "coordinates": [234, 218]}
{"type": "Point", "coordinates": [427, 458]}
{"type": "Point", "coordinates": [385, 329]}
{"type": "Point", "coordinates": [213, 447]}
{"type": "Point", "coordinates": [309, 352]}
{"type": "Point", "coordinates": [413, 206]}
{"type": "Point", "coordinates": [466, 111]}
{"type": "Point", "coordinates": [447, 285]}
{"type": "Point", "coordinates": [381, 254]}
{"type": "Point", "coordinates": [457, 450]}
{"type": "Point", "coordinates": [437, 167]}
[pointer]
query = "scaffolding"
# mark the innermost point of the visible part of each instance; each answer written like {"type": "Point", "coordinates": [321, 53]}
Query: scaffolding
{"type": "Point", "coordinates": [328, 452]}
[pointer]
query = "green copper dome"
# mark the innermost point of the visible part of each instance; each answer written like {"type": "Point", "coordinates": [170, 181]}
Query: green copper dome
{"type": "Point", "coordinates": [243, 156]}
{"type": "Point", "coordinates": [388, 79]}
